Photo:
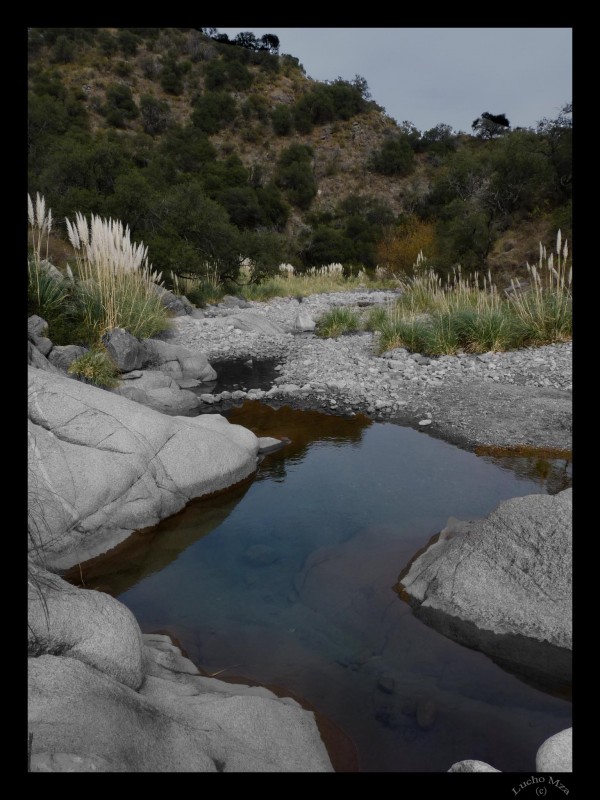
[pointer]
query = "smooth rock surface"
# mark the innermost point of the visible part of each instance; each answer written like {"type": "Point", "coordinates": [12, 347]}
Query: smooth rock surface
{"type": "Point", "coordinates": [503, 585]}
{"type": "Point", "coordinates": [556, 753]}
{"type": "Point", "coordinates": [257, 324]}
{"type": "Point", "coordinates": [177, 361]}
{"type": "Point", "coordinates": [101, 466]}
{"type": "Point", "coordinates": [90, 626]}
{"type": "Point", "coordinates": [470, 765]}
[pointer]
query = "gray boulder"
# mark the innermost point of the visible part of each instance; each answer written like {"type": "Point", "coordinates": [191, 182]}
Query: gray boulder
{"type": "Point", "coordinates": [254, 323]}
{"type": "Point", "coordinates": [104, 698]}
{"type": "Point", "coordinates": [230, 301]}
{"type": "Point", "coordinates": [63, 357]}
{"type": "Point", "coordinates": [36, 359]}
{"type": "Point", "coordinates": [36, 326]}
{"type": "Point", "coordinates": [51, 270]}
{"type": "Point", "coordinates": [304, 322]}
{"type": "Point", "coordinates": [170, 301]}
{"type": "Point", "coordinates": [178, 362]}
{"type": "Point", "coordinates": [101, 466]}
{"type": "Point", "coordinates": [157, 390]}
{"type": "Point", "coordinates": [471, 765]}
{"type": "Point", "coordinates": [556, 753]}
{"type": "Point", "coordinates": [124, 350]}
{"type": "Point", "coordinates": [503, 585]}
{"type": "Point", "coordinates": [62, 618]}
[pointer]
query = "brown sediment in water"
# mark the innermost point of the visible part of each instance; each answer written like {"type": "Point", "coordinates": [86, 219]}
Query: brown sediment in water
{"type": "Point", "coordinates": [523, 451]}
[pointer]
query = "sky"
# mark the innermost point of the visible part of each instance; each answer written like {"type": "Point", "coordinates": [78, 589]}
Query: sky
{"type": "Point", "coordinates": [450, 75]}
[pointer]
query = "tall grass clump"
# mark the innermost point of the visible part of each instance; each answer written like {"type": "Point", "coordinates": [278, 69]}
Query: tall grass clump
{"type": "Point", "coordinates": [436, 316]}
{"type": "Point", "coordinates": [545, 308]}
{"type": "Point", "coordinates": [338, 321]}
{"type": "Point", "coordinates": [46, 294]}
{"type": "Point", "coordinates": [116, 284]}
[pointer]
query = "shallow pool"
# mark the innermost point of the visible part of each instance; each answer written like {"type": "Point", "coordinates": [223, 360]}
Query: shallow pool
{"type": "Point", "coordinates": [288, 580]}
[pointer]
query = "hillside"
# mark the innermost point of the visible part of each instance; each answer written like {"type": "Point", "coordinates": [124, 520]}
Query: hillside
{"type": "Point", "coordinates": [213, 151]}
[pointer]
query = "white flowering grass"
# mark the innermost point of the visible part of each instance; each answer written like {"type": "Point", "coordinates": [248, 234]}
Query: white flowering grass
{"type": "Point", "coordinates": [468, 313]}
{"type": "Point", "coordinates": [115, 287]}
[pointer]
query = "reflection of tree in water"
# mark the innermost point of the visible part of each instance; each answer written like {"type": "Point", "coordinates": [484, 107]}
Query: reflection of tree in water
{"type": "Point", "coordinates": [301, 428]}
{"type": "Point", "coordinates": [552, 469]}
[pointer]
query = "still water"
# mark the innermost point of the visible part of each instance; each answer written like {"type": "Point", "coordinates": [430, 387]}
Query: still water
{"type": "Point", "coordinates": [287, 580]}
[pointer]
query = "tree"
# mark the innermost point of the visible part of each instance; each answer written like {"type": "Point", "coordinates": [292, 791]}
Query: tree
{"type": "Point", "coordinates": [247, 39]}
{"type": "Point", "coordinates": [270, 42]}
{"type": "Point", "coordinates": [490, 126]}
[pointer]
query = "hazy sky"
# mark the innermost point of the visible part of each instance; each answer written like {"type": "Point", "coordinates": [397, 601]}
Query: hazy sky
{"type": "Point", "coordinates": [451, 75]}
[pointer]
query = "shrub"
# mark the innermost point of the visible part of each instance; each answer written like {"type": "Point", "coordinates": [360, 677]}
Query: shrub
{"type": "Point", "coordinates": [213, 111]}
{"type": "Point", "coordinates": [156, 115]}
{"type": "Point", "coordinates": [395, 157]}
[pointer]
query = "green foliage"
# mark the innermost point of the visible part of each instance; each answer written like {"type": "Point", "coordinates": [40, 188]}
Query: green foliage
{"type": "Point", "coordinates": [63, 51]}
{"type": "Point", "coordinates": [213, 111]}
{"type": "Point", "coordinates": [171, 76]}
{"type": "Point", "coordinates": [128, 42]}
{"type": "Point", "coordinates": [394, 158]}
{"type": "Point", "coordinates": [338, 321]}
{"type": "Point", "coordinates": [281, 120]}
{"type": "Point", "coordinates": [294, 175]}
{"type": "Point", "coordinates": [327, 102]}
{"type": "Point", "coordinates": [120, 105]}
{"type": "Point", "coordinates": [45, 294]}
{"type": "Point", "coordinates": [226, 75]}
{"type": "Point", "coordinates": [156, 115]}
{"type": "Point", "coordinates": [95, 368]}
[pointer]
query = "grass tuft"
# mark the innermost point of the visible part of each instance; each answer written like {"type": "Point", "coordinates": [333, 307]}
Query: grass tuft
{"type": "Point", "coordinates": [96, 368]}
{"type": "Point", "coordinates": [338, 321]}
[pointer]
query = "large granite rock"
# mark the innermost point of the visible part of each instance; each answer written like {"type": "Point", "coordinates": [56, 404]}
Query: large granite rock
{"type": "Point", "coordinates": [90, 626]}
{"type": "Point", "coordinates": [503, 585]}
{"type": "Point", "coordinates": [86, 716]}
{"type": "Point", "coordinates": [178, 362]}
{"type": "Point", "coordinates": [101, 466]}
{"type": "Point", "coordinates": [124, 350]}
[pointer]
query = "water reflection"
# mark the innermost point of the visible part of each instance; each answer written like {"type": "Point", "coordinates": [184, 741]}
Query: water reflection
{"type": "Point", "coordinates": [550, 468]}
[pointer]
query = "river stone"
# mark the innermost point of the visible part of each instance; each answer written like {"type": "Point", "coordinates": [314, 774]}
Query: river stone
{"type": "Point", "coordinates": [256, 324]}
{"type": "Point", "coordinates": [304, 322]}
{"type": "Point", "coordinates": [63, 357]}
{"type": "Point", "coordinates": [503, 585]}
{"type": "Point", "coordinates": [556, 753]}
{"type": "Point", "coordinates": [124, 349]}
{"type": "Point", "coordinates": [91, 626]}
{"type": "Point", "coordinates": [101, 466]}
{"type": "Point", "coordinates": [470, 765]}
{"type": "Point", "coordinates": [268, 444]}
